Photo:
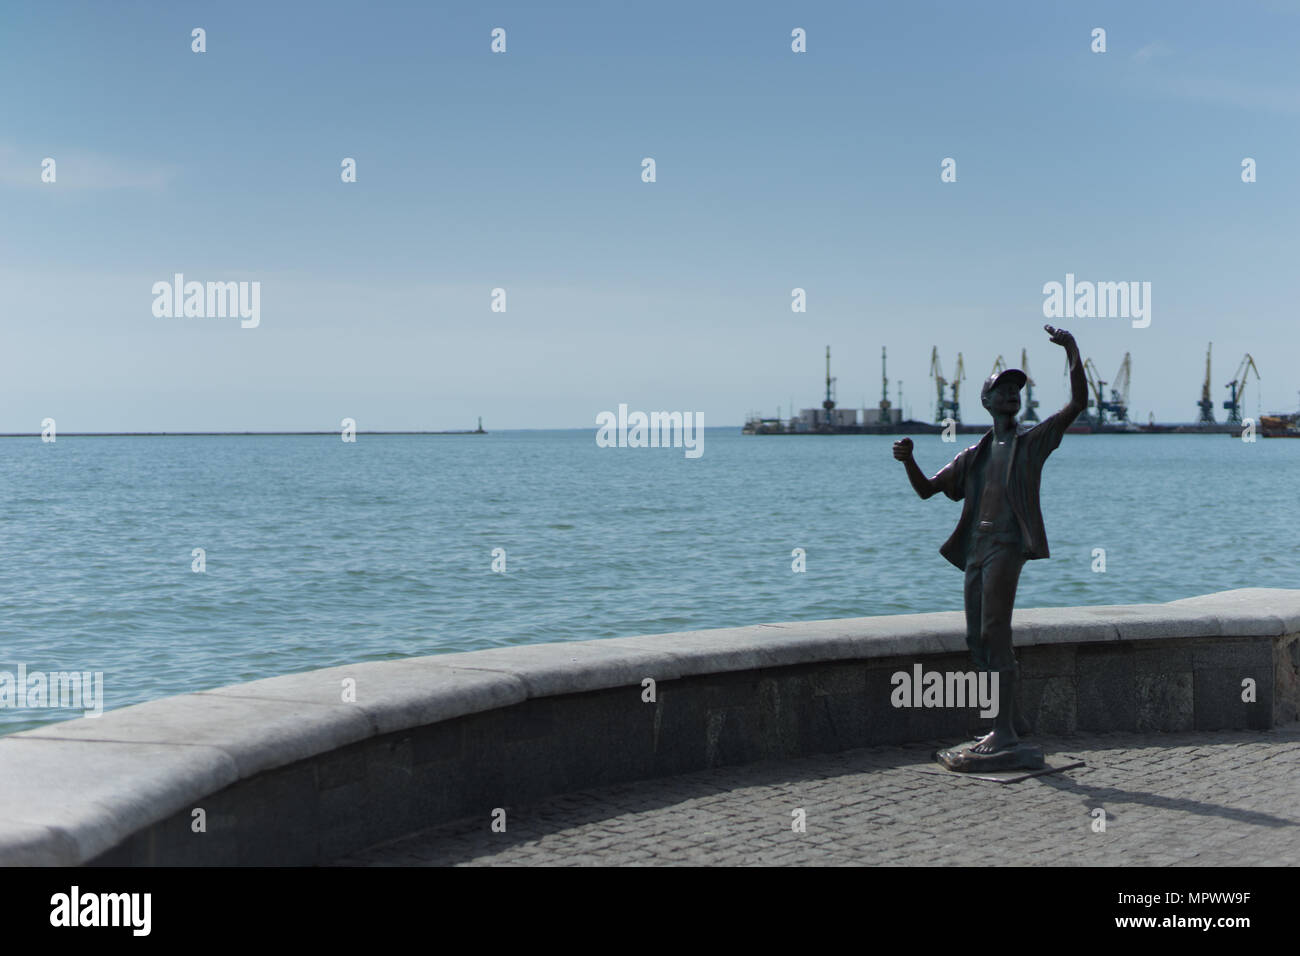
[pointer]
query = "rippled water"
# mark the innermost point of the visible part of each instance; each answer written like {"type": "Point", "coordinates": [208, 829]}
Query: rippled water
{"type": "Point", "coordinates": [321, 553]}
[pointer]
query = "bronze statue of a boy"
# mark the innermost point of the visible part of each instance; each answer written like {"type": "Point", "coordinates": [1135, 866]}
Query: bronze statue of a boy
{"type": "Point", "coordinates": [1001, 527]}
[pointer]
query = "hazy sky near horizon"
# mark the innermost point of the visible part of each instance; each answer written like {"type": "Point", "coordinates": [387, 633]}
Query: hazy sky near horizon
{"type": "Point", "coordinates": [522, 171]}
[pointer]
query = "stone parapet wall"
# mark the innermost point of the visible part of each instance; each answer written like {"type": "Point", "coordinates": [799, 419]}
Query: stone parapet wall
{"type": "Point", "coordinates": [288, 771]}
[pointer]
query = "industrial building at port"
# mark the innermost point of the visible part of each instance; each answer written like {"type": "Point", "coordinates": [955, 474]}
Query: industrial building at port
{"type": "Point", "coordinates": [1107, 411]}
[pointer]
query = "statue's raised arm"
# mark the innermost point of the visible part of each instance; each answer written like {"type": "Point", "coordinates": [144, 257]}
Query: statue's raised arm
{"type": "Point", "coordinates": [1078, 380]}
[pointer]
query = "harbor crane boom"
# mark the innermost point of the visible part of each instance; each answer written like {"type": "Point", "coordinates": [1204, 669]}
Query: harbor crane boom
{"type": "Point", "coordinates": [945, 408]}
{"type": "Point", "coordinates": [1237, 388]}
{"type": "Point", "coordinates": [1097, 386]}
{"type": "Point", "coordinates": [1031, 404]}
{"type": "Point", "coordinates": [1119, 390]}
{"type": "Point", "coordinates": [1116, 409]}
{"type": "Point", "coordinates": [958, 376]}
{"type": "Point", "coordinates": [1206, 404]}
{"type": "Point", "coordinates": [936, 373]}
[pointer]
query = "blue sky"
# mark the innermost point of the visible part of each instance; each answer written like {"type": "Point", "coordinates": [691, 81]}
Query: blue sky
{"type": "Point", "coordinates": [522, 170]}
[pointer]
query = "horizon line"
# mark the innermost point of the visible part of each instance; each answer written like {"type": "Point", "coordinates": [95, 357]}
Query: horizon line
{"type": "Point", "coordinates": [334, 432]}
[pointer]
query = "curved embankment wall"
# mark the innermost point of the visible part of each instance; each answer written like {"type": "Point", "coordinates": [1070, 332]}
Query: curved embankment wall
{"type": "Point", "coordinates": [288, 772]}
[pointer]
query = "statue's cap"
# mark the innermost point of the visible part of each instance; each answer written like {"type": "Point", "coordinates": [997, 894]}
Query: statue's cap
{"type": "Point", "coordinates": [1013, 374]}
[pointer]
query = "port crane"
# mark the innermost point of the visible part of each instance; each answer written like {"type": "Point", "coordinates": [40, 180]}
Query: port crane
{"type": "Point", "coordinates": [999, 366]}
{"type": "Point", "coordinates": [1206, 404]}
{"type": "Point", "coordinates": [1097, 387]}
{"type": "Point", "coordinates": [1031, 403]}
{"type": "Point", "coordinates": [1118, 405]}
{"type": "Point", "coordinates": [1238, 387]}
{"type": "Point", "coordinates": [958, 376]}
{"type": "Point", "coordinates": [943, 407]}
{"type": "Point", "coordinates": [936, 373]}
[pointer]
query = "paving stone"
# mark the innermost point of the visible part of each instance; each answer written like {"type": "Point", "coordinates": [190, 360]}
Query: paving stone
{"type": "Point", "coordinates": [1171, 799]}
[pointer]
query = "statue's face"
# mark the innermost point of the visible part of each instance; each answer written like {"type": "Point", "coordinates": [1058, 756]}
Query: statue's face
{"type": "Point", "coordinates": [1004, 399]}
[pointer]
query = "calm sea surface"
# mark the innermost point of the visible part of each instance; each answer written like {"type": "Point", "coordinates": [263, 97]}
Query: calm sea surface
{"type": "Point", "coordinates": [321, 553]}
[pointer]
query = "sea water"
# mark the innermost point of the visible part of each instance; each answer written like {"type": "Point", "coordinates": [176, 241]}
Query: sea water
{"type": "Point", "coordinates": [317, 552]}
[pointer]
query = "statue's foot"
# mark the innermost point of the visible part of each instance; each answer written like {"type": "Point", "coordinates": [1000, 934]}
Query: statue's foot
{"type": "Point", "coordinates": [1018, 723]}
{"type": "Point", "coordinates": [996, 742]}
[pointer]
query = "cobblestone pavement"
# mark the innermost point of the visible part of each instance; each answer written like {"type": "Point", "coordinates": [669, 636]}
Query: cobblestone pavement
{"type": "Point", "coordinates": [1220, 798]}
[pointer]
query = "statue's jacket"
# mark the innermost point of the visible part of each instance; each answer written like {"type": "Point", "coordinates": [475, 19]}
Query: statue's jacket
{"type": "Point", "coordinates": [963, 478]}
